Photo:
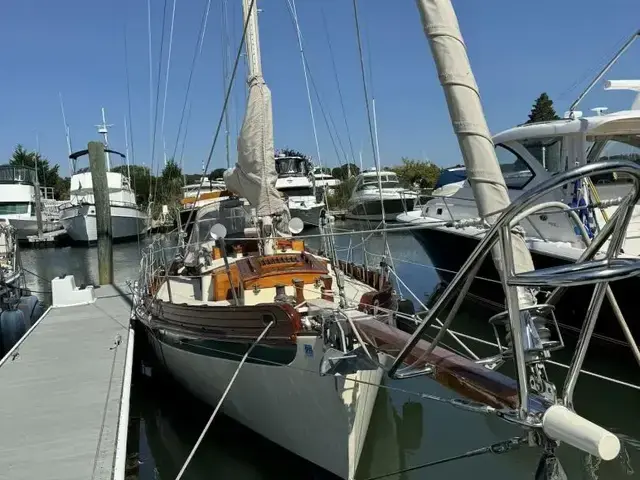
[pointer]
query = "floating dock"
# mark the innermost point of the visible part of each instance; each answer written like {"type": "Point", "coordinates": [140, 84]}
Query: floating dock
{"type": "Point", "coordinates": [64, 406]}
{"type": "Point", "coordinates": [48, 239]}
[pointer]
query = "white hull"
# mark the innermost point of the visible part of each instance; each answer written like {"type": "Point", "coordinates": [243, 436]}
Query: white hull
{"type": "Point", "coordinates": [29, 226]}
{"type": "Point", "coordinates": [310, 216]}
{"type": "Point", "coordinates": [322, 419]}
{"type": "Point", "coordinates": [80, 222]}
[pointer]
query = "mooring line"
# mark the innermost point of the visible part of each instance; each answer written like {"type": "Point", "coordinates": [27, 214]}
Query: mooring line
{"type": "Point", "coordinates": [496, 448]}
{"type": "Point", "coordinates": [224, 395]}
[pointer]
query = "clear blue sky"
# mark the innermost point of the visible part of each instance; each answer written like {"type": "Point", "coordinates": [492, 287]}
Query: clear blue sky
{"type": "Point", "coordinates": [517, 49]}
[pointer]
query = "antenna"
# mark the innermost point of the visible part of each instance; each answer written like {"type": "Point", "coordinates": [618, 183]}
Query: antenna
{"type": "Point", "coordinates": [606, 68]}
{"type": "Point", "coordinates": [72, 163]}
{"type": "Point", "coordinates": [126, 148]}
{"type": "Point", "coordinates": [103, 130]}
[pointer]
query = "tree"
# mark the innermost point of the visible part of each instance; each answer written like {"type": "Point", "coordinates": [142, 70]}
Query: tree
{"type": "Point", "coordinates": [171, 171]}
{"type": "Point", "coordinates": [140, 178]}
{"type": "Point", "coordinates": [542, 110]}
{"type": "Point", "coordinates": [47, 175]}
{"type": "Point", "coordinates": [412, 172]}
{"type": "Point", "coordinates": [217, 173]}
{"type": "Point", "coordinates": [343, 171]}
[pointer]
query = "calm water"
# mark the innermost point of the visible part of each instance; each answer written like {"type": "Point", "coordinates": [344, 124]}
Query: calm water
{"type": "Point", "coordinates": [405, 431]}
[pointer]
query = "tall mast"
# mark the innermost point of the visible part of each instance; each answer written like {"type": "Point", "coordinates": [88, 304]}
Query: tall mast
{"type": "Point", "coordinates": [254, 63]}
{"type": "Point", "coordinates": [103, 129]}
{"type": "Point", "coordinates": [68, 136]}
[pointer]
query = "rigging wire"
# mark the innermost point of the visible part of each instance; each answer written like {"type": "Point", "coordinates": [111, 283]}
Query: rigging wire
{"type": "Point", "coordinates": [155, 118]}
{"type": "Point", "coordinates": [335, 74]}
{"type": "Point", "coordinates": [294, 13]}
{"type": "Point", "coordinates": [150, 86]}
{"type": "Point", "coordinates": [166, 82]}
{"type": "Point", "coordinates": [128, 125]}
{"type": "Point", "coordinates": [196, 55]}
{"type": "Point", "coordinates": [224, 106]}
{"type": "Point", "coordinates": [226, 60]}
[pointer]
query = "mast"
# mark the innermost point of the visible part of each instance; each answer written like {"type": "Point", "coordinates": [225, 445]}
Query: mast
{"type": "Point", "coordinates": [103, 129]}
{"type": "Point", "coordinates": [126, 148]}
{"type": "Point", "coordinates": [67, 134]}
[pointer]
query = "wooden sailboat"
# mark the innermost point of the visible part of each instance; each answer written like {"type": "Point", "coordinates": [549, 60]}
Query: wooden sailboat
{"type": "Point", "coordinates": [204, 311]}
{"type": "Point", "coordinates": [317, 333]}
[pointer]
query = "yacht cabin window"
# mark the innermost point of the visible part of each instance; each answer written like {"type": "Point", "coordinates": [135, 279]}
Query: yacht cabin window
{"type": "Point", "coordinates": [547, 151]}
{"type": "Point", "coordinates": [617, 147]}
{"type": "Point", "coordinates": [291, 166]}
{"type": "Point", "coordinates": [296, 191]}
{"type": "Point", "coordinates": [14, 208]}
{"type": "Point", "coordinates": [515, 170]}
{"type": "Point", "coordinates": [371, 182]}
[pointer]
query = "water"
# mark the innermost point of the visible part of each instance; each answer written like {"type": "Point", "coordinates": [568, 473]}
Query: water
{"type": "Point", "coordinates": [404, 432]}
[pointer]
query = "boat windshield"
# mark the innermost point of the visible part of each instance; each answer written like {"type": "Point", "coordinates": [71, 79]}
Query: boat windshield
{"type": "Point", "coordinates": [547, 151]}
{"type": "Point", "coordinates": [617, 147]}
{"type": "Point", "coordinates": [291, 166]}
{"type": "Point", "coordinates": [297, 191]}
{"type": "Point", "coordinates": [230, 213]}
{"type": "Point", "coordinates": [387, 180]}
{"type": "Point", "coordinates": [11, 174]}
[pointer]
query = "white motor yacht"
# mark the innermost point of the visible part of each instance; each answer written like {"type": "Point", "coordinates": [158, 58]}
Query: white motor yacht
{"type": "Point", "coordinates": [529, 155]}
{"type": "Point", "coordinates": [372, 189]}
{"type": "Point", "coordinates": [18, 202]}
{"type": "Point", "coordinates": [325, 181]}
{"type": "Point", "coordinates": [298, 189]}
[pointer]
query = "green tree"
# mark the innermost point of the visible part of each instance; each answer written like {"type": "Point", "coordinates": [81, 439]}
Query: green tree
{"type": "Point", "coordinates": [47, 174]}
{"type": "Point", "coordinates": [342, 172]}
{"type": "Point", "coordinates": [140, 178]}
{"type": "Point", "coordinates": [216, 174]}
{"type": "Point", "coordinates": [415, 172]}
{"type": "Point", "coordinates": [542, 110]}
{"type": "Point", "coordinates": [171, 171]}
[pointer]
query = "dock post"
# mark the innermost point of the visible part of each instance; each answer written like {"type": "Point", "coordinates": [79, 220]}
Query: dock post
{"type": "Point", "coordinates": [103, 212]}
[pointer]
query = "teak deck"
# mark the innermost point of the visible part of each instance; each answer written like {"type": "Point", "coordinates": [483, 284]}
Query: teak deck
{"type": "Point", "coordinates": [61, 393]}
{"type": "Point", "coordinates": [267, 272]}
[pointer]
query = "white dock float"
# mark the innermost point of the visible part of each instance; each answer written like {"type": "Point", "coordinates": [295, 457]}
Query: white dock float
{"type": "Point", "coordinates": [64, 389]}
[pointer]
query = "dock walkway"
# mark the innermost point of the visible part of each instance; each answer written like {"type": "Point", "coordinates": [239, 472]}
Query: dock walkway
{"type": "Point", "coordinates": [65, 388]}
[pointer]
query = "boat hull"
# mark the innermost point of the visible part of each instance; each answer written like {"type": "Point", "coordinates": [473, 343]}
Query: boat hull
{"type": "Point", "coordinates": [448, 251]}
{"type": "Point", "coordinates": [321, 419]}
{"type": "Point", "coordinates": [310, 216]}
{"type": "Point", "coordinates": [127, 223]}
{"type": "Point", "coordinates": [29, 226]}
{"type": "Point", "coordinates": [372, 210]}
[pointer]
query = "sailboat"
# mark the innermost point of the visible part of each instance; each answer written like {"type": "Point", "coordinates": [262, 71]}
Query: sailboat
{"type": "Point", "coordinates": [204, 310]}
{"type": "Point", "coordinates": [78, 216]}
{"type": "Point", "coordinates": [293, 343]}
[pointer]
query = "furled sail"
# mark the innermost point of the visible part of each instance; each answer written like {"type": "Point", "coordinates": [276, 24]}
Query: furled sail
{"type": "Point", "coordinates": [254, 176]}
{"type": "Point", "coordinates": [483, 170]}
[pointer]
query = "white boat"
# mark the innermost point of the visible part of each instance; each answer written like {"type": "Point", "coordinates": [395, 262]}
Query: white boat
{"type": "Point", "coordinates": [298, 190]}
{"type": "Point", "coordinates": [529, 155]}
{"type": "Point", "coordinates": [78, 216]}
{"type": "Point", "coordinates": [368, 197]}
{"type": "Point", "coordinates": [325, 181]}
{"type": "Point", "coordinates": [17, 202]}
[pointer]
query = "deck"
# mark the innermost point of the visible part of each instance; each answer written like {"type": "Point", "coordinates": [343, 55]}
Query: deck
{"type": "Point", "coordinates": [65, 388]}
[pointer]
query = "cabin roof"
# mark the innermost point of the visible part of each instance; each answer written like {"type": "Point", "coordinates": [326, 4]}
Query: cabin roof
{"type": "Point", "coordinates": [618, 123]}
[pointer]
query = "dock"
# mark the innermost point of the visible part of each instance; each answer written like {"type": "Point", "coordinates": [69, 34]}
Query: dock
{"type": "Point", "coordinates": [66, 385]}
{"type": "Point", "coordinates": [48, 239]}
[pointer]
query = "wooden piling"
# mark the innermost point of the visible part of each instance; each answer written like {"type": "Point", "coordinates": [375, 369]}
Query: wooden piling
{"type": "Point", "coordinates": [103, 212]}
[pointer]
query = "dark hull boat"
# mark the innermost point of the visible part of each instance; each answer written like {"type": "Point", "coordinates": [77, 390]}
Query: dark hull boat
{"type": "Point", "coordinates": [448, 251]}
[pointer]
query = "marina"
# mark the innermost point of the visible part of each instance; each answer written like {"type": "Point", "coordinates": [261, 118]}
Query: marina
{"type": "Point", "coordinates": [301, 314]}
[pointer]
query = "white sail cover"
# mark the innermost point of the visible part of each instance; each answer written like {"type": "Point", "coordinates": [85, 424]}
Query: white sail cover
{"type": "Point", "coordinates": [463, 98]}
{"type": "Point", "coordinates": [254, 176]}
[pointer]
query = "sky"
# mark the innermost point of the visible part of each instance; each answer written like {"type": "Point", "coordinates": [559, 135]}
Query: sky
{"type": "Point", "coordinates": [76, 49]}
